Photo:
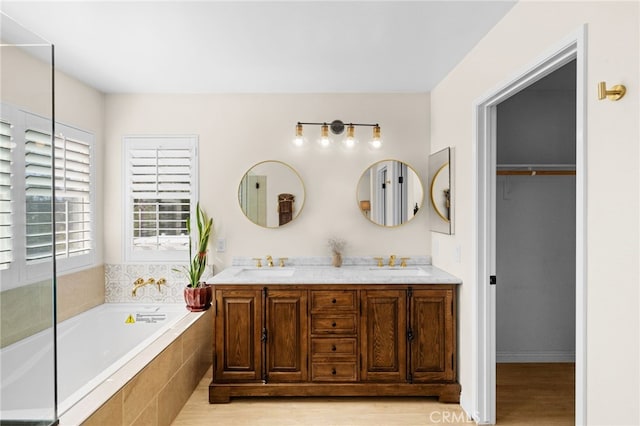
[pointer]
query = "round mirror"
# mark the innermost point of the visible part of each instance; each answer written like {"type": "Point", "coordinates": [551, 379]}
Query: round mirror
{"type": "Point", "coordinates": [390, 193]}
{"type": "Point", "coordinates": [440, 191]}
{"type": "Point", "coordinates": [271, 194]}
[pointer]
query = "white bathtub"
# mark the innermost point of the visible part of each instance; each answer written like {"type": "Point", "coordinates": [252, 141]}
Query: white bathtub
{"type": "Point", "coordinates": [91, 347]}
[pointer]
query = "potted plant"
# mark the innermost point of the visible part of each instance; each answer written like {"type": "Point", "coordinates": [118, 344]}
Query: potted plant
{"type": "Point", "coordinates": [197, 294]}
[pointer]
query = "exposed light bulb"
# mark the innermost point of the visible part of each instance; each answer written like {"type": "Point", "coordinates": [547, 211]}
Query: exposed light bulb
{"type": "Point", "coordinates": [376, 141]}
{"type": "Point", "coordinates": [350, 141]}
{"type": "Point", "coordinates": [299, 140]}
{"type": "Point", "coordinates": [324, 141]}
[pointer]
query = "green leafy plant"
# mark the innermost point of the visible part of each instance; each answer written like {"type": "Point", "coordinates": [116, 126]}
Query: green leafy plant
{"type": "Point", "coordinates": [199, 261]}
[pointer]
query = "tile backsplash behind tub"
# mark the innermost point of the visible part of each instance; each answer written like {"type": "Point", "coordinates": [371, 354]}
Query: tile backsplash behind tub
{"type": "Point", "coordinates": [119, 279]}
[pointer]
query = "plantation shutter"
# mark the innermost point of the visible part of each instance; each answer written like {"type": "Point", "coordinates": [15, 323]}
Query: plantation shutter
{"type": "Point", "coordinates": [38, 175]}
{"type": "Point", "coordinates": [72, 191]}
{"type": "Point", "coordinates": [73, 207]}
{"type": "Point", "coordinates": [6, 233]}
{"type": "Point", "coordinates": [161, 191]}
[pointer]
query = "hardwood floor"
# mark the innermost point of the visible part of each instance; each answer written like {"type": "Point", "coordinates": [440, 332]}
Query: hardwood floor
{"type": "Point", "coordinates": [540, 394]}
{"type": "Point", "coordinates": [528, 394]}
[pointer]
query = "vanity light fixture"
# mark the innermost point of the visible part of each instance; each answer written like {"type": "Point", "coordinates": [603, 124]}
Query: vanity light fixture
{"type": "Point", "coordinates": [337, 127]}
{"type": "Point", "coordinates": [350, 141]}
{"type": "Point", "coordinates": [299, 140]}
{"type": "Point", "coordinates": [376, 141]}
{"type": "Point", "coordinates": [325, 140]}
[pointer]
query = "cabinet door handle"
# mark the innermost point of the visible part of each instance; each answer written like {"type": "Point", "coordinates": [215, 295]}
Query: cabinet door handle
{"type": "Point", "coordinates": [333, 371]}
{"type": "Point", "coordinates": [334, 301]}
{"type": "Point", "coordinates": [333, 324]}
{"type": "Point", "coordinates": [333, 348]}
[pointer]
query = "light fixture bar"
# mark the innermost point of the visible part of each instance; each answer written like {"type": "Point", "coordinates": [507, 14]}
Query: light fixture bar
{"type": "Point", "coordinates": [337, 127]}
{"type": "Point", "coordinates": [347, 124]}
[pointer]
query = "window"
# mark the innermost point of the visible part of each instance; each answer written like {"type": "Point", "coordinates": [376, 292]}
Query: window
{"type": "Point", "coordinates": [161, 190]}
{"type": "Point", "coordinates": [72, 195]}
{"type": "Point", "coordinates": [6, 146]}
{"type": "Point", "coordinates": [28, 168]}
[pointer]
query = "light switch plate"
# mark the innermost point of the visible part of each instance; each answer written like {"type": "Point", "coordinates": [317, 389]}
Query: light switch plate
{"type": "Point", "coordinates": [221, 245]}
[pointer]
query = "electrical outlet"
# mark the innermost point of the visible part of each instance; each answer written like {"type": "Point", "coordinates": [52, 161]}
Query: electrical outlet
{"type": "Point", "coordinates": [457, 254]}
{"type": "Point", "coordinates": [221, 245]}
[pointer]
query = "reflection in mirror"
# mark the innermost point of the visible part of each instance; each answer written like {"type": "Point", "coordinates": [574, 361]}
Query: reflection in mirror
{"type": "Point", "coordinates": [440, 219]}
{"type": "Point", "coordinates": [271, 194]}
{"type": "Point", "coordinates": [390, 193]}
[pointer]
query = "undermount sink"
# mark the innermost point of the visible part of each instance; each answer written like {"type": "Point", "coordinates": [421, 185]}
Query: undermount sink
{"type": "Point", "coordinates": [265, 272]}
{"type": "Point", "coordinates": [398, 272]}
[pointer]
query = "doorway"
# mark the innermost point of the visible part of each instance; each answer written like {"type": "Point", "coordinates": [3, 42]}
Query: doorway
{"type": "Point", "coordinates": [571, 49]}
{"type": "Point", "coordinates": [535, 250]}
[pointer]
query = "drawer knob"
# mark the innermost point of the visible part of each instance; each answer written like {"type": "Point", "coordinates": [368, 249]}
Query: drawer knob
{"type": "Point", "coordinates": [333, 371]}
{"type": "Point", "coordinates": [333, 348]}
{"type": "Point", "coordinates": [333, 324]}
{"type": "Point", "coordinates": [334, 301]}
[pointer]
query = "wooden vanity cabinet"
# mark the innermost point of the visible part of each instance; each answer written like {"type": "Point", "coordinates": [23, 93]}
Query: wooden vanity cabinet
{"type": "Point", "coordinates": [238, 325]}
{"type": "Point", "coordinates": [334, 340]}
{"type": "Point", "coordinates": [286, 336]}
{"type": "Point", "coordinates": [383, 339]}
{"type": "Point", "coordinates": [334, 335]}
{"type": "Point", "coordinates": [432, 336]}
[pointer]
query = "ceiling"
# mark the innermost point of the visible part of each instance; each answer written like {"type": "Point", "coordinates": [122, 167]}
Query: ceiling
{"type": "Point", "coordinates": [258, 46]}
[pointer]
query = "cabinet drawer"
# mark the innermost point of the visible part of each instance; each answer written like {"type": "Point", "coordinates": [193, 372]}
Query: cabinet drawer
{"type": "Point", "coordinates": [323, 347]}
{"type": "Point", "coordinates": [333, 324]}
{"type": "Point", "coordinates": [334, 300]}
{"type": "Point", "coordinates": [334, 372]}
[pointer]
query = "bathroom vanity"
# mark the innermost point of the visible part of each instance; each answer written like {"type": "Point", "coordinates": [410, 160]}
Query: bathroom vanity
{"type": "Point", "coordinates": [323, 331]}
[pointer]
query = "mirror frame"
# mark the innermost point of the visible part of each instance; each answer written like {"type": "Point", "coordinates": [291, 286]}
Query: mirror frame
{"type": "Point", "coordinates": [295, 173]}
{"type": "Point", "coordinates": [362, 203]}
{"type": "Point", "coordinates": [438, 163]}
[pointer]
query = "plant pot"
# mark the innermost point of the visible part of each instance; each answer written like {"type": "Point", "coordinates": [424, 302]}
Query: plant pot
{"type": "Point", "coordinates": [199, 298]}
{"type": "Point", "coordinates": [337, 260]}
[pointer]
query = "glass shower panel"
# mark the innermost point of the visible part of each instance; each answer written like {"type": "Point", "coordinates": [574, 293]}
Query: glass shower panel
{"type": "Point", "coordinates": [27, 268]}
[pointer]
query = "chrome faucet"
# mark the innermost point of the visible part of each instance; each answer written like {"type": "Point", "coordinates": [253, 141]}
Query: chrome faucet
{"type": "Point", "coordinates": [269, 261]}
{"type": "Point", "coordinates": [392, 260]}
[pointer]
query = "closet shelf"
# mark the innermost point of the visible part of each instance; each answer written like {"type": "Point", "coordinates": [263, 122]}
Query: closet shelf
{"type": "Point", "coordinates": [536, 170]}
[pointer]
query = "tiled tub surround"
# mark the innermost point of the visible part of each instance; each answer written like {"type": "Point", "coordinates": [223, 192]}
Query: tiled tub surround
{"type": "Point", "coordinates": [27, 310]}
{"type": "Point", "coordinates": [91, 347]}
{"type": "Point", "coordinates": [119, 279]}
{"type": "Point", "coordinates": [153, 387]}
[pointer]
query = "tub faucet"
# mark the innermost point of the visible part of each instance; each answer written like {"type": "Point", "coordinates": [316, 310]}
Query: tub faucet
{"type": "Point", "coordinates": [141, 283]}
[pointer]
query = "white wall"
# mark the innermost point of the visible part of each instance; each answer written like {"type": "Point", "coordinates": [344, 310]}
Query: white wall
{"type": "Point", "coordinates": [528, 31]}
{"type": "Point", "coordinates": [238, 131]}
{"type": "Point", "coordinates": [536, 238]}
{"type": "Point", "coordinates": [26, 83]}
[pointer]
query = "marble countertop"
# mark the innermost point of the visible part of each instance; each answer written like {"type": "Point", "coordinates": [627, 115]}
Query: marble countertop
{"type": "Point", "coordinates": [318, 270]}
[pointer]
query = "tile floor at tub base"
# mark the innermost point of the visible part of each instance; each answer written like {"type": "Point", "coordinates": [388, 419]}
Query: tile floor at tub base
{"type": "Point", "coordinates": [220, 393]}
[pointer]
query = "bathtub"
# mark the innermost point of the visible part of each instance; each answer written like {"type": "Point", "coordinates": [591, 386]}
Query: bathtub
{"type": "Point", "coordinates": [92, 346]}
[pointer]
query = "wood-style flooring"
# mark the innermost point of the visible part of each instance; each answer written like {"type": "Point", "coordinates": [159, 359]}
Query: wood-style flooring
{"type": "Point", "coordinates": [527, 394]}
{"type": "Point", "coordinates": [540, 394]}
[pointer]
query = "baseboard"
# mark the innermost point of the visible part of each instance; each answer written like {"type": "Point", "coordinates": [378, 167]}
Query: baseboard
{"type": "Point", "coordinates": [547, 356]}
{"type": "Point", "coordinates": [467, 407]}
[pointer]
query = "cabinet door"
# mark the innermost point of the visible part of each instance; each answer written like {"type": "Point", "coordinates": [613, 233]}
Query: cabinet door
{"type": "Point", "coordinates": [433, 343]}
{"type": "Point", "coordinates": [384, 343]}
{"type": "Point", "coordinates": [238, 335]}
{"type": "Point", "coordinates": [286, 335]}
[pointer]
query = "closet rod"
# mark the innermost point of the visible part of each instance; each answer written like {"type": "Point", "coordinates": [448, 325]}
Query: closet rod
{"type": "Point", "coordinates": [536, 172]}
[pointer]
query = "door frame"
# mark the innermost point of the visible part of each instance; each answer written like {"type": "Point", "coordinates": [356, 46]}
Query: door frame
{"type": "Point", "coordinates": [485, 113]}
